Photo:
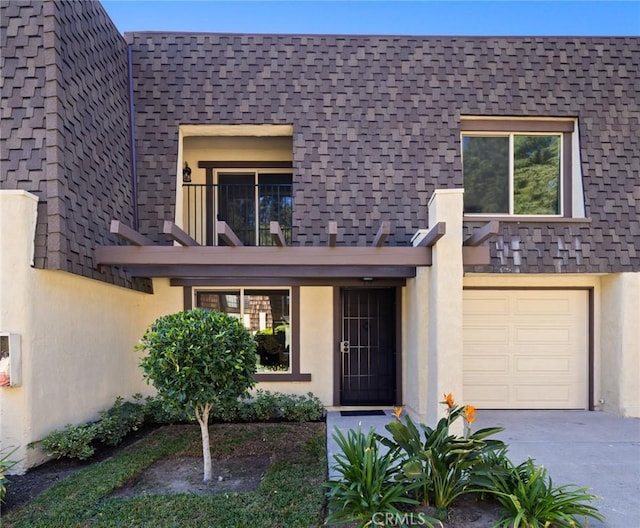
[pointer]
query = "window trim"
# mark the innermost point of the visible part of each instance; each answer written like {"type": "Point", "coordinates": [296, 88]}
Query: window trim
{"type": "Point", "coordinates": [189, 295]}
{"type": "Point", "coordinates": [475, 127]}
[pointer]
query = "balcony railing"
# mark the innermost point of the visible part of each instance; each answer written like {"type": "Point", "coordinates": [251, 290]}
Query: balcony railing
{"type": "Point", "coordinates": [247, 209]}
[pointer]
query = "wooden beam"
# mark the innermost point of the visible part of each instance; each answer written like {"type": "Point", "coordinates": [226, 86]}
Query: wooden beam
{"type": "Point", "coordinates": [226, 233]}
{"type": "Point", "coordinates": [289, 273]}
{"type": "Point", "coordinates": [434, 234]}
{"type": "Point", "coordinates": [194, 282]}
{"type": "Point", "coordinates": [476, 256]}
{"type": "Point", "coordinates": [182, 238]}
{"type": "Point", "coordinates": [131, 235]}
{"type": "Point", "coordinates": [263, 255]}
{"type": "Point", "coordinates": [333, 233]}
{"type": "Point", "coordinates": [382, 234]}
{"type": "Point", "coordinates": [483, 233]}
{"type": "Point", "coordinates": [276, 234]}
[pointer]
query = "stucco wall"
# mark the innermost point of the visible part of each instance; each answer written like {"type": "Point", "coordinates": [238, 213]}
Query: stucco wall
{"type": "Point", "coordinates": [621, 344]}
{"type": "Point", "coordinates": [77, 336]}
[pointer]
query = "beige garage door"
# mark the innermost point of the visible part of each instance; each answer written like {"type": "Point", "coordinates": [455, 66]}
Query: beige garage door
{"type": "Point", "coordinates": [526, 349]}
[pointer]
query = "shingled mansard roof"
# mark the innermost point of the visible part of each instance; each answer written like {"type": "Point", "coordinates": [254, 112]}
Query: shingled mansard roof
{"type": "Point", "coordinates": [376, 128]}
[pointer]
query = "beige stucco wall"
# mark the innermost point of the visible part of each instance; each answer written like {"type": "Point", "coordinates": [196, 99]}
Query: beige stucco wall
{"type": "Point", "coordinates": [620, 344]}
{"type": "Point", "coordinates": [415, 337]}
{"type": "Point", "coordinates": [77, 336]}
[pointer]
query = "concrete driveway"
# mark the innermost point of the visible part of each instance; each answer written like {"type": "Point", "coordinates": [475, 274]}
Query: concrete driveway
{"type": "Point", "coordinates": [589, 449]}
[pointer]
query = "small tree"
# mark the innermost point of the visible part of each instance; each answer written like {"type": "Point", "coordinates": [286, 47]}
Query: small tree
{"type": "Point", "coordinates": [198, 359]}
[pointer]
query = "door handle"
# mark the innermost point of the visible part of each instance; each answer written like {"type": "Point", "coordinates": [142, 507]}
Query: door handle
{"type": "Point", "coordinates": [344, 347]}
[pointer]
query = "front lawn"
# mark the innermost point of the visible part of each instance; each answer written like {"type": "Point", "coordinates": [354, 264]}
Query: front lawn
{"type": "Point", "coordinates": [290, 493]}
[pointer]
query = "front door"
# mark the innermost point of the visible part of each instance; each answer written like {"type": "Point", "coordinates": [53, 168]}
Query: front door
{"type": "Point", "coordinates": [368, 347]}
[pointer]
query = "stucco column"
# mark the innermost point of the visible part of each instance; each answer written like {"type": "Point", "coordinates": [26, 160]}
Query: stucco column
{"type": "Point", "coordinates": [621, 343]}
{"type": "Point", "coordinates": [444, 350]}
{"type": "Point", "coordinates": [18, 214]}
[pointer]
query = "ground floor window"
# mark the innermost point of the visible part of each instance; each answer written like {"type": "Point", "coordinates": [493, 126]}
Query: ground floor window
{"type": "Point", "coordinates": [266, 313]}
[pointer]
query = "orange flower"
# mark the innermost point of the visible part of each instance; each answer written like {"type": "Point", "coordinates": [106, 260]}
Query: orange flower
{"type": "Point", "coordinates": [448, 399]}
{"type": "Point", "coordinates": [470, 413]}
{"type": "Point", "coordinates": [397, 412]}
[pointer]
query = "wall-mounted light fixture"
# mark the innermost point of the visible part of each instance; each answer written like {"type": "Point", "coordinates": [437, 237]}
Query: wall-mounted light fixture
{"type": "Point", "coordinates": [186, 173]}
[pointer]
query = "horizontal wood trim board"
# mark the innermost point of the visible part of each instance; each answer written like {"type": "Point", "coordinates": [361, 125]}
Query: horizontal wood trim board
{"type": "Point", "coordinates": [263, 256]}
{"type": "Point", "coordinates": [551, 220]}
{"type": "Point", "coordinates": [476, 255]}
{"type": "Point", "coordinates": [282, 377]}
{"type": "Point", "coordinates": [508, 125]}
{"type": "Point", "coordinates": [288, 272]}
{"type": "Point", "coordinates": [289, 281]}
{"type": "Point", "coordinates": [245, 164]}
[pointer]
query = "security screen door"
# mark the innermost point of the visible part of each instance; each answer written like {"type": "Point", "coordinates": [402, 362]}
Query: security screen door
{"type": "Point", "coordinates": [368, 347]}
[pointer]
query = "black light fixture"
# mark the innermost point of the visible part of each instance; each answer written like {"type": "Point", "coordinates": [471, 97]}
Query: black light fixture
{"type": "Point", "coordinates": [186, 173]}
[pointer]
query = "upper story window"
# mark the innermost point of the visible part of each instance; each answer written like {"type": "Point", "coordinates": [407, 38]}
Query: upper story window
{"type": "Point", "coordinates": [518, 167]}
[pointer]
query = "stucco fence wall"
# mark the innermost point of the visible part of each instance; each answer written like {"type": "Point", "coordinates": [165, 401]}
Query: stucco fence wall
{"type": "Point", "coordinates": [77, 337]}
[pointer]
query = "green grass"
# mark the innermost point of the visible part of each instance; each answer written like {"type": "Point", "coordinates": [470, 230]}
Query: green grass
{"type": "Point", "coordinates": [290, 494]}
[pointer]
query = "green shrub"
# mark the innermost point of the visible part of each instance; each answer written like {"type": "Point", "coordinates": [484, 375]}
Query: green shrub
{"type": "Point", "coordinates": [74, 441]}
{"type": "Point", "coordinates": [530, 499]}
{"type": "Point", "coordinates": [156, 411]}
{"type": "Point", "coordinates": [366, 487]}
{"type": "Point", "coordinates": [296, 408]}
{"type": "Point", "coordinates": [5, 465]}
{"type": "Point", "coordinates": [264, 406]}
{"type": "Point", "coordinates": [120, 420]}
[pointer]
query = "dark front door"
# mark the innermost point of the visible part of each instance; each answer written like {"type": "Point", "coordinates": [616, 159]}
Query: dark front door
{"type": "Point", "coordinates": [368, 347]}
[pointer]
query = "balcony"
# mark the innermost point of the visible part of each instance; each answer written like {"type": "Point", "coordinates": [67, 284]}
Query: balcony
{"type": "Point", "coordinates": [247, 208]}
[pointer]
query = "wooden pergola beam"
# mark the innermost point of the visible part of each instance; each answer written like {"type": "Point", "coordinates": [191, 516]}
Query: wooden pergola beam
{"type": "Point", "coordinates": [227, 235]}
{"type": "Point", "coordinates": [131, 235]}
{"type": "Point", "coordinates": [382, 234]}
{"type": "Point", "coordinates": [265, 272]}
{"type": "Point", "coordinates": [483, 233]}
{"type": "Point", "coordinates": [434, 234]}
{"type": "Point", "coordinates": [333, 233]}
{"type": "Point", "coordinates": [262, 255]}
{"type": "Point", "coordinates": [182, 238]}
{"type": "Point", "coordinates": [276, 234]}
{"type": "Point", "coordinates": [476, 255]}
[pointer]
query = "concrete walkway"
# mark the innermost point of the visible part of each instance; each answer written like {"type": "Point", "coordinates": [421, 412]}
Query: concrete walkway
{"type": "Point", "coordinates": [589, 449]}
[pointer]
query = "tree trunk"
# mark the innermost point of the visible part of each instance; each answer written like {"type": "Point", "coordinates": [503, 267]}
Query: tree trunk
{"type": "Point", "coordinates": [202, 415]}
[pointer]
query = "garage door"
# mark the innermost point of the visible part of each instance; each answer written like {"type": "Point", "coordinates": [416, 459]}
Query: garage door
{"type": "Point", "coordinates": [526, 349]}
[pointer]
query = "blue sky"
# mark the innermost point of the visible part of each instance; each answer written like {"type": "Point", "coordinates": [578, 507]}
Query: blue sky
{"type": "Point", "coordinates": [395, 17]}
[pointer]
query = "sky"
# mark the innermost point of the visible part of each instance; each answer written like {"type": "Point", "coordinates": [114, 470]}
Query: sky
{"type": "Point", "coordinates": [390, 17]}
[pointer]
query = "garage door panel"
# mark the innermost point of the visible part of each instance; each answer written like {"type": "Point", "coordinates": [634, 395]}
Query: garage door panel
{"type": "Point", "coordinates": [483, 364]}
{"type": "Point", "coordinates": [542, 306]}
{"type": "Point", "coordinates": [487, 334]}
{"type": "Point", "coordinates": [486, 395]}
{"type": "Point", "coordinates": [541, 334]}
{"type": "Point", "coordinates": [533, 356]}
{"type": "Point", "coordinates": [541, 365]}
{"type": "Point", "coordinates": [542, 396]}
{"type": "Point", "coordinates": [481, 304]}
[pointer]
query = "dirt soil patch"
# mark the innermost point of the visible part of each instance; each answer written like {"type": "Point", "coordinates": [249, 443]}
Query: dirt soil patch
{"type": "Point", "coordinates": [184, 475]}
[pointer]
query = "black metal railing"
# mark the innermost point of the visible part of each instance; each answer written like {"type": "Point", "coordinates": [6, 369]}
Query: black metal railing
{"type": "Point", "coordinates": [246, 208]}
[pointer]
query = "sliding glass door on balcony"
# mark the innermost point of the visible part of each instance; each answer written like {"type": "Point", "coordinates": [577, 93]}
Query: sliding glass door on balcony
{"type": "Point", "coordinates": [246, 200]}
